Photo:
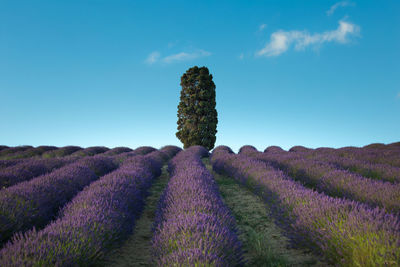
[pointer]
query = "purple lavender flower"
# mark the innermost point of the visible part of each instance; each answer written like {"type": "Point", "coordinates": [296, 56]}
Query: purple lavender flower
{"type": "Point", "coordinates": [327, 178]}
{"type": "Point", "coordinates": [61, 152]}
{"type": "Point", "coordinates": [117, 150]}
{"type": "Point", "coordinates": [26, 169]}
{"type": "Point", "coordinates": [273, 149]}
{"type": "Point", "coordinates": [143, 150]}
{"type": "Point", "coordinates": [98, 217]}
{"type": "Point", "coordinates": [36, 202]}
{"type": "Point", "coordinates": [223, 148]}
{"type": "Point", "coordinates": [90, 151]}
{"type": "Point", "coordinates": [346, 232]}
{"type": "Point", "coordinates": [5, 153]}
{"type": "Point", "coordinates": [193, 226]}
{"type": "Point", "coordinates": [247, 149]}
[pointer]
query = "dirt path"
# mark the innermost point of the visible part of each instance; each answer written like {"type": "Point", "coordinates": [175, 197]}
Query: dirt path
{"type": "Point", "coordinates": [263, 241]}
{"type": "Point", "coordinates": [135, 251]}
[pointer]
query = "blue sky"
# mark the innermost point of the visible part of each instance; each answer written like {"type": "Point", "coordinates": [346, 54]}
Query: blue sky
{"type": "Point", "coordinates": [313, 73]}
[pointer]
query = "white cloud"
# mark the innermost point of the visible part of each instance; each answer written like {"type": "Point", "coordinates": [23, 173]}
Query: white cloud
{"type": "Point", "coordinates": [182, 56]}
{"type": "Point", "coordinates": [262, 27]}
{"type": "Point", "coordinates": [282, 40]}
{"type": "Point", "coordinates": [398, 95]}
{"type": "Point", "coordinates": [172, 44]}
{"type": "Point", "coordinates": [339, 4]}
{"type": "Point", "coordinates": [153, 58]}
{"type": "Point", "coordinates": [241, 56]}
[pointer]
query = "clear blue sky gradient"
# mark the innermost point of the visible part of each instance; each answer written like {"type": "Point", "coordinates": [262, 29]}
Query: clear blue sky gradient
{"type": "Point", "coordinates": [79, 72]}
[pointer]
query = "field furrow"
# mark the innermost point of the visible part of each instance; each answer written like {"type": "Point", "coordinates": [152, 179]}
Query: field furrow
{"type": "Point", "coordinates": [193, 227]}
{"type": "Point", "coordinates": [381, 170]}
{"type": "Point", "coordinates": [136, 250]}
{"type": "Point", "coordinates": [88, 226]}
{"type": "Point", "coordinates": [355, 162]}
{"type": "Point", "coordinates": [327, 178]}
{"type": "Point", "coordinates": [264, 242]}
{"type": "Point", "coordinates": [30, 168]}
{"type": "Point", "coordinates": [34, 203]}
{"type": "Point", "coordinates": [345, 232]}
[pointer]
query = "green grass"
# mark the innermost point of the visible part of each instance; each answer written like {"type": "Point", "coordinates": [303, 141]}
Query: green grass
{"type": "Point", "coordinates": [136, 250]}
{"type": "Point", "coordinates": [263, 241]}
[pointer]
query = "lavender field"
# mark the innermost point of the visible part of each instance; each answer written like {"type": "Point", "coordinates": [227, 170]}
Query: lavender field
{"type": "Point", "coordinates": [96, 206]}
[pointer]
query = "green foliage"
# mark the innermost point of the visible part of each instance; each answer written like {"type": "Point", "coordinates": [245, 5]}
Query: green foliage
{"type": "Point", "coordinates": [197, 116]}
{"type": "Point", "coordinates": [264, 243]}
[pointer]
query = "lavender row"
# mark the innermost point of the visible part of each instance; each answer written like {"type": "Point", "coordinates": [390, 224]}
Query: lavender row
{"type": "Point", "coordinates": [5, 163]}
{"type": "Point", "coordinates": [171, 151]}
{"type": "Point", "coordinates": [377, 171]}
{"type": "Point", "coordinates": [32, 152]}
{"type": "Point", "coordinates": [193, 227]}
{"type": "Point", "coordinates": [370, 162]}
{"type": "Point", "coordinates": [335, 182]}
{"type": "Point", "coordinates": [61, 152]}
{"type": "Point", "coordinates": [36, 202]}
{"type": "Point", "coordinates": [29, 168]}
{"type": "Point", "coordinates": [116, 151]}
{"type": "Point", "coordinates": [346, 232]}
{"type": "Point", "coordinates": [4, 153]}
{"type": "Point", "coordinates": [381, 154]}
{"type": "Point", "coordinates": [143, 150]}
{"type": "Point", "coordinates": [28, 152]}
{"type": "Point", "coordinates": [90, 151]}
{"type": "Point", "coordinates": [100, 215]}
{"type": "Point", "coordinates": [356, 163]}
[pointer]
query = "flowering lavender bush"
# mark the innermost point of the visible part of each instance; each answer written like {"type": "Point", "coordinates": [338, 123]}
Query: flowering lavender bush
{"type": "Point", "coordinates": [170, 150]}
{"type": "Point", "coordinates": [346, 232]}
{"type": "Point", "coordinates": [117, 150]}
{"type": "Point", "coordinates": [143, 150]}
{"type": "Point", "coordinates": [335, 182]}
{"type": "Point", "coordinates": [31, 152]}
{"type": "Point", "coordinates": [61, 152]}
{"type": "Point", "coordinates": [377, 164]}
{"type": "Point", "coordinates": [247, 149]}
{"type": "Point", "coordinates": [222, 148]}
{"type": "Point", "coordinates": [373, 170]}
{"type": "Point", "coordinates": [90, 151]}
{"type": "Point", "coordinates": [5, 153]}
{"type": "Point", "coordinates": [36, 202]}
{"type": "Point", "coordinates": [4, 163]}
{"type": "Point", "coordinates": [29, 168]}
{"type": "Point", "coordinates": [193, 227]}
{"type": "Point", "coordinates": [90, 224]}
{"type": "Point", "coordinates": [299, 149]}
{"type": "Point", "coordinates": [273, 149]}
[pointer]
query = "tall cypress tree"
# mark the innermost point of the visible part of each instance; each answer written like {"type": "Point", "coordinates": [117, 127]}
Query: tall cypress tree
{"type": "Point", "coordinates": [197, 116]}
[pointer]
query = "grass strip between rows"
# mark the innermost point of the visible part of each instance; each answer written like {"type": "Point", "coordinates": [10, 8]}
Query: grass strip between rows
{"type": "Point", "coordinates": [335, 182]}
{"type": "Point", "coordinates": [34, 203]}
{"type": "Point", "coordinates": [264, 243]}
{"type": "Point", "coordinates": [136, 250]}
{"type": "Point", "coordinates": [347, 233]}
{"type": "Point", "coordinates": [193, 227]}
{"type": "Point", "coordinates": [88, 226]}
{"type": "Point", "coordinates": [30, 168]}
